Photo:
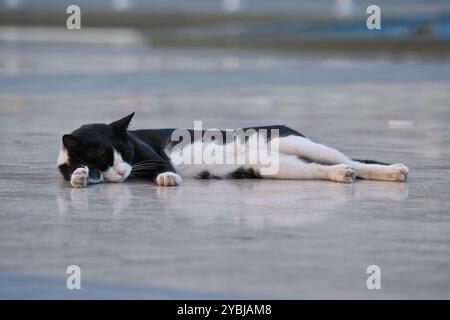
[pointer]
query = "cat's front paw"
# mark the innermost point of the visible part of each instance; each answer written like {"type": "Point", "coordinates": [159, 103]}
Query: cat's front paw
{"type": "Point", "coordinates": [79, 178]}
{"type": "Point", "coordinates": [168, 179]}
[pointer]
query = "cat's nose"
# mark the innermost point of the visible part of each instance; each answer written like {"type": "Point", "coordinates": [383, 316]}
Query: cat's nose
{"type": "Point", "coordinates": [121, 172]}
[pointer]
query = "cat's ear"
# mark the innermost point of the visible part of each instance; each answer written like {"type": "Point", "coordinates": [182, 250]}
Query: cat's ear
{"type": "Point", "coordinates": [69, 141]}
{"type": "Point", "coordinates": [122, 124]}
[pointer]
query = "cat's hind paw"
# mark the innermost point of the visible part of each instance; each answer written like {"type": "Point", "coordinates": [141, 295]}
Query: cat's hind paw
{"type": "Point", "coordinates": [80, 177]}
{"type": "Point", "coordinates": [168, 179]}
{"type": "Point", "coordinates": [398, 172]}
{"type": "Point", "coordinates": [342, 173]}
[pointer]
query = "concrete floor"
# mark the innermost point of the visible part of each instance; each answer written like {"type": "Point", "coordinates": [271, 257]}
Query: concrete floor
{"type": "Point", "coordinates": [224, 239]}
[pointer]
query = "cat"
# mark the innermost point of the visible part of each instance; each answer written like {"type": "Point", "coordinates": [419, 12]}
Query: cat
{"type": "Point", "coordinates": [97, 153]}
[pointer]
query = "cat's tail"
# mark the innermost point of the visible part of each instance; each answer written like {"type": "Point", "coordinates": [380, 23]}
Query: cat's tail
{"type": "Point", "coordinates": [371, 162]}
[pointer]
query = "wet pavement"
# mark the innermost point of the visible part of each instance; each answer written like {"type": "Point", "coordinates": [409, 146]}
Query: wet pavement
{"type": "Point", "coordinates": [223, 239]}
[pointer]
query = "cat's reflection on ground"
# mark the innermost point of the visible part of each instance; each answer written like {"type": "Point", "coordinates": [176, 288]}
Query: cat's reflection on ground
{"type": "Point", "coordinates": [113, 198]}
{"type": "Point", "coordinates": [260, 203]}
{"type": "Point", "coordinates": [254, 203]}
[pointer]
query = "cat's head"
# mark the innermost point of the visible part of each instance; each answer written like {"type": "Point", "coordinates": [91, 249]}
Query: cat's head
{"type": "Point", "coordinates": [104, 147]}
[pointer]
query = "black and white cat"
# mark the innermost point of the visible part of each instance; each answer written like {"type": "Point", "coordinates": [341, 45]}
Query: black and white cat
{"type": "Point", "coordinates": [97, 153]}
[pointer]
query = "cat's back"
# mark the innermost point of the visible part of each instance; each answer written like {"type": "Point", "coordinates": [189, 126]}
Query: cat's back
{"type": "Point", "coordinates": [163, 136]}
{"type": "Point", "coordinates": [153, 136]}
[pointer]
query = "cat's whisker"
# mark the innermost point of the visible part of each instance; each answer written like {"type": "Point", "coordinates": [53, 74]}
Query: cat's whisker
{"type": "Point", "coordinates": [149, 161]}
{"type": "Point", "coordinates": [146, 165]}
{"type": "Point", "coordinates": [143, 170]}
{"type": "Point", "coordinates": [134, 175]}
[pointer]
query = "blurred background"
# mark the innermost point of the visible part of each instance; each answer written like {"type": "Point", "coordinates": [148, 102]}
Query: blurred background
{"type": "Point", "coordinates": [223, 42]}
{"type": "Point", "coordinates": [414, 26]}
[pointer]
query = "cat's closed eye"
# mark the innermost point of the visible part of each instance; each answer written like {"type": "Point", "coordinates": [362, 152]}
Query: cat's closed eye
{"type": "Point", "coordinates": [96, 153]}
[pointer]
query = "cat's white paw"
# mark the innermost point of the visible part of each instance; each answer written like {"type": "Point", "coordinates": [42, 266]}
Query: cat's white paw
{"type": "Point", "coordinates": [398, 172]}
{"type": "Point", "coordinates": [79, 178]}
{"type": "Point", "coordinates": [168, 179]}
{"type": "Point", "coordinates": [342, 173]}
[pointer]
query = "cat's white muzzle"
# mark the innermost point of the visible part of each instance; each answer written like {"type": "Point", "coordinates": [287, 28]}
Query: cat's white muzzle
{"type": "Point", "coordinates": [119, 171]}
{"type": "Point", "coordinates": [117, 175]}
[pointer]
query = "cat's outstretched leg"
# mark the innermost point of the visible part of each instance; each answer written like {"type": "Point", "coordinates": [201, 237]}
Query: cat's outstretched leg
{"type": "Point", "coordinates": [374, 171]}
{"type": "Point", "coordinates": [315, 152]}
{"type": "Point", "coordinates": [292, 168]}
